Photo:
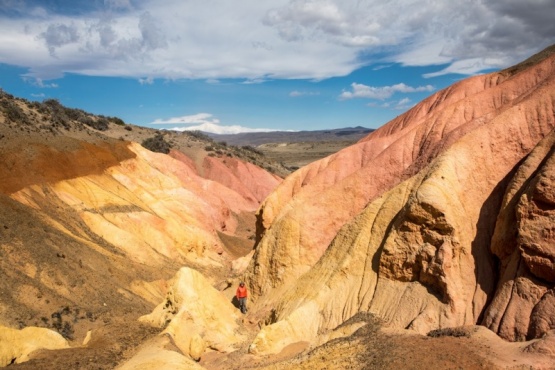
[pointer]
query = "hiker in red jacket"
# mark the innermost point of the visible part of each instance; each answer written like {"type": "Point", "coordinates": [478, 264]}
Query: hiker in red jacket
{"type": "Point", "coordinates": [241, 295]}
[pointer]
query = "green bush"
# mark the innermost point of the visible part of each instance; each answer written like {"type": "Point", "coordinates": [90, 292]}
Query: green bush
{"type": "Point", "coordinates": [157, 144]}
{"type": "Point", "coordinates": [13, 112]}
{"type": "Point", "coordinates": [101, 123]}
{"type": "Point", "coordinates": [117, 121]}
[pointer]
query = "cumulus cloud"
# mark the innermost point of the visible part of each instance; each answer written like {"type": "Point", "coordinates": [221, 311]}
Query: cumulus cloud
{"type": "Point", "coordinates": [199, 118]}
{"type": "Point", "coordinates": [152, 36]}
{"type": "Point", "coordinates": [381, 93]}
{"type": "Point", "coordinates": [57, 35]}
{"type": "Point", "coordinates": [221, 130]}
{"type": "Point", "coordinates": [205, 122]}
{"type": "Point", "coordinates": [260, 40]}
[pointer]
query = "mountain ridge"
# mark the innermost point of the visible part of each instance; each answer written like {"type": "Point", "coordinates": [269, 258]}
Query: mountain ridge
{"type": "Point", "coordinates": [259, 138]}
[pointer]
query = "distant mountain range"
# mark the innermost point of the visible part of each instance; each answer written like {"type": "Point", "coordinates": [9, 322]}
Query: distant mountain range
{"type": "Point", "coordinates": [258, 138]}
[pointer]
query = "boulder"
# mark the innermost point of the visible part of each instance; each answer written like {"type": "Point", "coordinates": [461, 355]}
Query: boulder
{"type": "Point", "coordinates": [196, 316]}
{"type": "Point", "coordinates": [17, 345]}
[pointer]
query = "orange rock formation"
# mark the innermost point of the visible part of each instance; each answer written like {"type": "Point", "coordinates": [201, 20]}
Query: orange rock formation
{"type": "Point", "coordinates": [402, 223]}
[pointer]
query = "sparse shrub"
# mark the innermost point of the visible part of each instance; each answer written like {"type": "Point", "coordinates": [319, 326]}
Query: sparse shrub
{"type": "Point", "coordinates": [222, 143]}
{"type": "Point", "coordinates": [67, 330]}
{"type": "Point", "coordinates": [64, 327]}
{"type": "Point", "coordinates": [13, 112]}
{"type": "Point", "coordinates": [52, 104]}
{"type": "Point", "coordinates": [199, 135]}
{"type": "Point", "coordinates": [209, 148]}
{"type": "Point", "coordinates": [157, 144]}
{"type": "Point", "coordinates": [101, 123]}
{"type": "Point", "coordinates": [5, 94]}
{"type": "Point", "coordinates": [87, 120]}
{"type": "Point", "coordinates": [74, 114]}
{"type": "Point", "coordinates": [57, 113]}
{"type": "Point", "coordinates": [252, 149]}
{"type": "Point", "coordinates": [117, 121]}
{"type": "Point", "coordinates": [449, 332]}
{"type": "Point", "coordinates": [128, 128]}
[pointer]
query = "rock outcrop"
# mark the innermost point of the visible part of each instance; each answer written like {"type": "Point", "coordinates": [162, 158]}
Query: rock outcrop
{"type": "Point", "coordinates": [401, 224]}
{"type": "Point", "coordinates": [524, 242]}
{"type": "Point", "coordinates": [17, 345]}
{"type": "Point", "coordinates": [196, 316]}
{"type": "Point", "coordinates": [159, 353]}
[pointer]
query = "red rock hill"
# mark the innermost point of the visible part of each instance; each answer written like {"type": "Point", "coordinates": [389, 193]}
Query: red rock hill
{"type": "Point", "coordinates": [440, 218]}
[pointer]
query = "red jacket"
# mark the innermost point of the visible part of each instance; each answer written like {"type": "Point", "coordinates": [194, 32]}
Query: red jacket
{"type": "Point", "coordinates": [241, 292]}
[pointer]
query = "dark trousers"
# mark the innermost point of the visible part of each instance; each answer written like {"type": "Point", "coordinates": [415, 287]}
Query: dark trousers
{"type": "Point", "coordinates": [243, 304]}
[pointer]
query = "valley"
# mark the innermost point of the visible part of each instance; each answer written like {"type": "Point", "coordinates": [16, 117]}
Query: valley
{"type": "Point", "coordinates": [426, 243]}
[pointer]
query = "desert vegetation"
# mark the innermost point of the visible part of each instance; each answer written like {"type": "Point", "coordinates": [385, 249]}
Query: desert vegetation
{"type": "Point", "coordinates": [157, 144]}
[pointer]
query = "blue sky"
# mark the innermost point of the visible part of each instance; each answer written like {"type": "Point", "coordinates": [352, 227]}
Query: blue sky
{"type": "Point", "coordinates": [229, 66]}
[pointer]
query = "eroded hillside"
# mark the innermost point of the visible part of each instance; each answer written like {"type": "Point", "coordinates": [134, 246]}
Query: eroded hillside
{"type": "Point", "coordinates": [440, 218]}
{"type": "Point", "coordinates": [91, 226]}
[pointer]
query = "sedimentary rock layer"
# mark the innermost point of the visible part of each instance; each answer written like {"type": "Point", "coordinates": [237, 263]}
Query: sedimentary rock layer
{"type": "Point", "coordinates": [401, 223]}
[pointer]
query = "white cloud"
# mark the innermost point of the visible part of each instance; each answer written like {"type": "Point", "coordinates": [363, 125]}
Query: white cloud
{"type": "Point", "coordinates": [38, 82]}
{"type": "Point", "coordinates": [198, 118]}
{"type": "Point", "coordinates": [254, 81]}
{"type": "Point", "coordinates": [403, 104]}
{"type": "Point", "coordinates": [57, 35]}
{"type": "Point", "coordinates": [468, 66]}
{"type": "Point", "coordinates": [261, 40]}
{"type": "Point", "coordinates": [381, 93]}
{"type": "Point", "coordinates": [205, 122]}
{"type": "Point", "coordinates": [146, 81]}
{"type": "Point", "coordinates": [221, 130]}
{"type": "Point", "coordinates": [296, 94]}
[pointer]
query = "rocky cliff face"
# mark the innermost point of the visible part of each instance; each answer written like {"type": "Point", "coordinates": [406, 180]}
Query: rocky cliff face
{"type": "Point", "coordinates": [439, 218]}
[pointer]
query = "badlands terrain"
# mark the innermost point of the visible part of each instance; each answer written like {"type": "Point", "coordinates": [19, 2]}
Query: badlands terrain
{"type": "Point", "coordinates": [429, 243]}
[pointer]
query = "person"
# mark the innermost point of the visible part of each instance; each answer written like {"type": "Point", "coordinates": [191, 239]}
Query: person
{"type": "Point", "coordinates": [241, 295]}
